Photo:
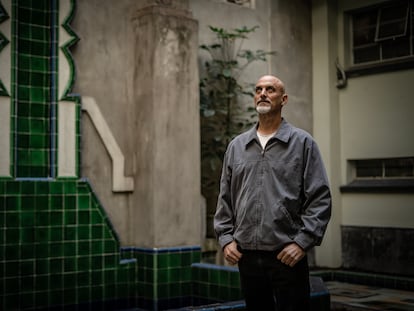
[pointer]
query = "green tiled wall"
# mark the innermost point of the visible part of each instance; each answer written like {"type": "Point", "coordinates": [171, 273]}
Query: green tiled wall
{"type": "Point", "coordinates": [212, 283]}
{"type": "Point", "coordinates": [57, 247]}
{"type": "Point", "coordinates": [35, 71]}
{"type": "Point", "coordinates": [165, 276]}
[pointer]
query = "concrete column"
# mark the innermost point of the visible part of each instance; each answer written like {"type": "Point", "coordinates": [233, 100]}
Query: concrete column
{"type": "Point", "coordinates": [326, 120]}
{"type": "Point", "coordinates": [165, 205]}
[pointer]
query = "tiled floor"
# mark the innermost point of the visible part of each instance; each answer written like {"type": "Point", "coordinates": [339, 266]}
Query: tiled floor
{"type": "Point", "coordinates": [350, 297]}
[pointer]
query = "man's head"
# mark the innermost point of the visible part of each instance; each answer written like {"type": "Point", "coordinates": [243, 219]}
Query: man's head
{"type": "Point", "coordinates": [270, 95]}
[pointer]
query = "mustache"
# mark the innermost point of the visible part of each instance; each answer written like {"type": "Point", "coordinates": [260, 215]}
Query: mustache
{"type": "Point", "coordinates": [263, 101]}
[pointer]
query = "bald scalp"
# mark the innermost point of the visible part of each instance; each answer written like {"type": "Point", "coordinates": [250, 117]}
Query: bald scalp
{"type": "Point", "coordinates": [274, 80]}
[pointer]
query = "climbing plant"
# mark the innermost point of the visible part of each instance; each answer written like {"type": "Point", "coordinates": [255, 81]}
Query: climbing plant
{"type": "Point", "coordinates": [222, 113]}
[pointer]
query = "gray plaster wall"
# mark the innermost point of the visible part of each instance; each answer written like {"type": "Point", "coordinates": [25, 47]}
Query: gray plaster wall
{"type": "Point", "coordinates": [144, 78]}
{"type": "Point", "coordinates": [104, 70]}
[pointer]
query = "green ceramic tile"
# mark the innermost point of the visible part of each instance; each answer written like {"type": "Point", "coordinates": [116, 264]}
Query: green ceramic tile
{"type": "Point", "coordinates": [42, 266]}
{"type": "Point", "coordinates": [56, 249]}
{"type": "Point", "coordinates": [56, 281]}
{"type": "Point", "coordinates": [12, 235]}
{"type": "Point", "coordinates": [186, 274]}
{"type": "Point", "coordinates": [69, 297]}
{"type": "Point", "coordinates": [84, 248]}
{"type": "Point", "coordinates": [69, 202]}
{"type": "Point", "coordinates": [84, 201]}
{"type": "Point", "coordinates": [162, 276]}
{"type": "Point", "coordinates": [12, 187]}
{"type": "Point", "coordinates": [96, 276]}
{"type": "Point", "coordinates": [27, 188]}
{"type": "Point", "coordinates": [42, 219]}
{"type": "Point", "coordinates": [69, 280]}
{"type": "Point", "coordinates": [96, 292]}
{"type": "Point", "coordinates": [56, 234]}
{"type": "Point", "coordinates": [12, 219]}
{"type": "Point", "coordinates": [83, 278]}
{"type": "Point", "coordinates": [42, 250]}
{"type": "Point", "coordinates": [84, 263]}
{"type": "Point", "coordinates": [56, 218]}
{"type": "Point", "coordinates": [96, 247]}
{"type": "Point", "coordinates": [69, 264]}
{"type": "Point", "coordinates": [27, 300]}
{"type": "Point", "coordinates": [27, 283]}
{"type": "Point", "coordinates": [56, 296]}
{"type": "Point", "coordinates": [41, 283]}
{"type": "Point", "coordinates": [11, 301]}
{"type": "Point", "coordinates": [56, 202]}
{"type": "Point", "coordinates": [96, 232]}
{"type": "Point", "coordinates": [83, 233]}
{"type": "Point", "coordinates": [70, 218]}
{"type": "Point", "coordinates": [83, 217]}
{"type": "Point", "coordinates": [27, 251]}
{"type": "Point", "coordinates": [70, 188]}
{"type": "Point", "coordinates": [69, 248]}
{"type": "Point", "coordinates": [110, 247]}
{"type": "Point", "coordinates": [163, 291]}
{"type": "Point", "coordinates": [224, 278]}
{"type": "Point", "coordinates": [96, 218]}
{"type": "Point", "coordinates": [174, 275]}
{"type": "Point", "coordinates": [57, 188]}
{"type": "Point", "coordinates": [96, 262]}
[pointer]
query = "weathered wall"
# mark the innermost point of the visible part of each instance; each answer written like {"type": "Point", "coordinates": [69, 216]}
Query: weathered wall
{"type": "Point", "coordinates": [378, 249]}
{"type": "Point", "coordinates": [140, 66]}
{"type": "Point", "coordinates": [291, 36]}
{"type": "Point", "coordinates": [104, 66]}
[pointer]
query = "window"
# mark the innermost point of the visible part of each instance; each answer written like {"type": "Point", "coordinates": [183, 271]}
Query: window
{"type": "Point", "coordinates": [379, 175]}
{"type": "Point", "coordinates": [385, 168]}
{"type": "Point", "coordinates": [382, 35]}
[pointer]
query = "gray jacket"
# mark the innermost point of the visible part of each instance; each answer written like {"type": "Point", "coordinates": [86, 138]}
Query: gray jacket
{"type": "Point", "coordinates": [269, 198]}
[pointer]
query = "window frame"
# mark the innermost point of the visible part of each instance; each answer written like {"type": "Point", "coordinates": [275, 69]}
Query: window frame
{"type": "Point", "coordinates": [379, 184]}
{"type": "Point", "coordinates": [381, 65]}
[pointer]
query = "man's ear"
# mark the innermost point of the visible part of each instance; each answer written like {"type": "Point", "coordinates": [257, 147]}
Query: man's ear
{"type": "Point", "coordinates": [284, 100]}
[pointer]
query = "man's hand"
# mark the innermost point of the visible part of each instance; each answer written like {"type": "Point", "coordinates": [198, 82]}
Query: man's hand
{"type": "Point", "coordinates": [231, 254]}
{"type": "Point", "coordinates": [291, 254]}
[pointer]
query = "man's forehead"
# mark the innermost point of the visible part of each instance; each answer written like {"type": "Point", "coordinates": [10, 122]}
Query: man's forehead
{"type": "Point", "coordinates": [266, 82]}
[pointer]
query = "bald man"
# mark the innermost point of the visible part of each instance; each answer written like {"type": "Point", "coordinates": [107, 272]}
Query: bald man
{"type": "Point", "coordinates": [274, 205]}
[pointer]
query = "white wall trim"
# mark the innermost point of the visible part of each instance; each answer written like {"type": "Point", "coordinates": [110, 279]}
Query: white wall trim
{"type": "Point", "coordinates": [120, 183]}
{"type": "Point", "coordinates": [5, 136]}
{"type": "Point", "coordinates": [67, 139]}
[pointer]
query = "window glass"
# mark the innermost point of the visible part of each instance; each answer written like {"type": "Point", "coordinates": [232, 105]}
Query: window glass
{"type": "Point", "coordinates": [385, 168]}
{"type": "Point", "coordinates": [382, 33]}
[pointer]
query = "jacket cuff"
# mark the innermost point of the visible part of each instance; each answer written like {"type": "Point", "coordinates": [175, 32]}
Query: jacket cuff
{"type": "Point", "coordinates": [225, 239]}
{"type": "Point", "coordinates": [305, 241]}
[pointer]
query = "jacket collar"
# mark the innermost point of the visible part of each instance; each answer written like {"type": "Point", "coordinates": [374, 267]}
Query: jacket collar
{"type": "Point", "coordinates": [283, 133]}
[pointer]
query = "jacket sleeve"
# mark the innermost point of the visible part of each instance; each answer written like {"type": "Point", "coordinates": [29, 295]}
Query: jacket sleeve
{"type": "Point", "coordinates": [317, 204]}
{"type": "Point", "coordinates": [224, 217]}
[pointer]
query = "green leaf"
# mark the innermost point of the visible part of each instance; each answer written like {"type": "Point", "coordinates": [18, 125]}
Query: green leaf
{"type": "Point", "coordinates": [227, 73]}
{"type": "Point", "coordinates": [209, 113]}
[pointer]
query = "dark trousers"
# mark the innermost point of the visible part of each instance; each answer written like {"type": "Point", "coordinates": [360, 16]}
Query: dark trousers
{"type": "Point", "coordinates": [269, 285]}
